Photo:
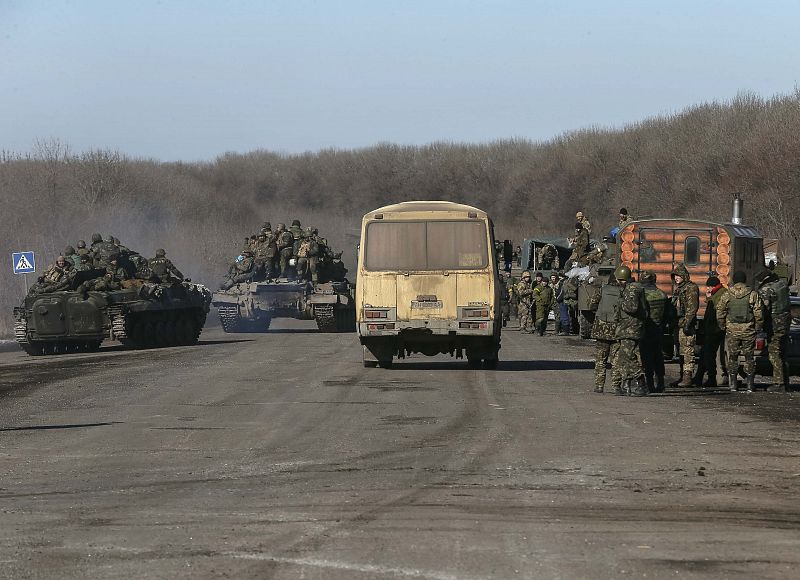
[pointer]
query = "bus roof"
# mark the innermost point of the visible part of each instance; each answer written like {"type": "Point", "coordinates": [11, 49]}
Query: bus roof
{"type": "Point", "coordinates": [423, 206]}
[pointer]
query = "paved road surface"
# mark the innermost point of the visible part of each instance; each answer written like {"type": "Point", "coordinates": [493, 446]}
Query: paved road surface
{"type": "Point", "coordinates": [279, 456]}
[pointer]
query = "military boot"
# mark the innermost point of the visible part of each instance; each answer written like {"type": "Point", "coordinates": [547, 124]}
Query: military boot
{"type": "Point", "coordinates": [711, 382]}
{"type": "Point", "coordinates": [724, 382]}
{"type": "Point", "coordinates": [619, 390]}
{"type": "Point", "coordinates": [598, 388]}
{"type": "Point", "coordinates": [732, 381]}
{"type": "Point", "coordinates": [651, 387]}
{"type": "Point", "coordinates": [751, 380]}
{"type": "Point", "coordinates": [637, 387]}
{"type": "Point", "coordinates": [660, 384]}
{"type": "Point", "coordinates": [686, 381]}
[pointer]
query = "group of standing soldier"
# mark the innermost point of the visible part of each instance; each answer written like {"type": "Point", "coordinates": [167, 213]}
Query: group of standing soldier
{"type": "Point", "coordinates": [631, 318]}
{"type": "Point", "coordinates": [284, 252]}
{"type": "Point", "coordinates": [108, 265]}
{"type": "Point", "coordinates": [536, 297]}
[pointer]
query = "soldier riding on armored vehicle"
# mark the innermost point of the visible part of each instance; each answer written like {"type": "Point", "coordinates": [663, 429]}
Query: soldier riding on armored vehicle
{"type": "Point", "coordinates": [288, 273]}
{"type": "Point", "coordinates": [113, 293]}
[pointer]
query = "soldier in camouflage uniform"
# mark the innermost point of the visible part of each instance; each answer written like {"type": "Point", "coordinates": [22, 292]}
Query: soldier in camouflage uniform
{"type": "Point", "coordinates": [54, 279]}
{"type": "Point", "coordinates": [307, 257]}
{"type": "Point", "coordinates": [686, 301]}
{"type": "Point", "coordinates": [774, 293]}
{"type": "Point", "coordinates": [651, 348]}
{"type": "Point", "coordinates": [544, 300]}
{"type": "Point", "coordinates": [262, 258]}
{"type": "Point", "coordinates": [631, 316]}
{"type": "Point", "coordinates": [296, 230]}
{"type": "Point", "coordinates": [284, 241]}
{"type": "Point", "coordinates": [103, 251]}
{"type": "Point", "coordinates": [580, 247]}
{"type": "Point", "coordinates": [163, 267]}
{"type": "Point", "coordinates": [585, 223]}
{"type": "Point", "coordinates": [240, 271]}
{"type": "Point", "coordinates": [604, 304]}
{"type": "Point", "coordinates": [524, 292]}
{"type": "Point", "coordinates": [72, 256]}
{"type": "Point", "coordinates": [82, 249]}
{"type": "Point", "coordinates": [624, 219]}
{"type": "Point", "coordinates": [740, 315]}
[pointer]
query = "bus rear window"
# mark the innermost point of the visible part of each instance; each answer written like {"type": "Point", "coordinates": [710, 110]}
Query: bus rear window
{"type": "Point", "coordinates": [434, 245]}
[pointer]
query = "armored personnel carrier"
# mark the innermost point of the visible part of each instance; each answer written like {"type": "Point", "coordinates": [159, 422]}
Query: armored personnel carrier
{"type": "Point", "coordinates": [146, 316]}
{"type": "Point", "coordinates": [251, 306]}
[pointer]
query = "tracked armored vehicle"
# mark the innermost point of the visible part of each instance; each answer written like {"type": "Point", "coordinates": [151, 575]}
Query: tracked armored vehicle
{"type": "Point", "coordinates": [146, 316]}
{"type": "Point", "coordinates": [251, 306]}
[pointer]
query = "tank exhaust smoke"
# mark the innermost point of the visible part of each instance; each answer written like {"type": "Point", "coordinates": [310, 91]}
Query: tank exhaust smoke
{"type": "Point", "coordinates": [738, 205]}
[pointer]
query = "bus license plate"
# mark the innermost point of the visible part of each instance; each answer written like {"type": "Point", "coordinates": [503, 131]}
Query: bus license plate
{"type": "Point", "coordinates": [432, 304]}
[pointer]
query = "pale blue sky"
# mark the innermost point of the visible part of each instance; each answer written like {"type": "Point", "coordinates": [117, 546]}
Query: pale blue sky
{"type": "Point", "coordinates": [192, 79]}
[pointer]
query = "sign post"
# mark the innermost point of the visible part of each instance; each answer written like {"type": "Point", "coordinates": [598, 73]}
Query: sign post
{"type": "Point", "coordinates": [24, 263]}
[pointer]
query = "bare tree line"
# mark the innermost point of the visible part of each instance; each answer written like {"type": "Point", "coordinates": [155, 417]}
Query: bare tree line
{"type": "Point", "coordinates": [687, 164]}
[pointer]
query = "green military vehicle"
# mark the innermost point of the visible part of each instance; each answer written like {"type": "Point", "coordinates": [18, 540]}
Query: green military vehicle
{"type": "Point", "coordinates": [145, 316]}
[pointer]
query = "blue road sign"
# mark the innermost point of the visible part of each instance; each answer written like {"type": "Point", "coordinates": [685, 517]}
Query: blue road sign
{"type": "Point", "coordinates": [23, 262]}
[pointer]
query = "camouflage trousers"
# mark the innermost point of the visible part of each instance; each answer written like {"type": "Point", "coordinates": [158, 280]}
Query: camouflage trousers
{"type": "Point", "coordinates": [686, 345]}
{"type": "Point", "coordinates": [605, 352]}
{"type": "Point", "coordinates": [628, 359]}
{"type": "Point", "coordinates": [778, 344]}
{"type": "Point", "coordinates": [743, 344]}
{"type": "Point", "coordinates": [524, 313]}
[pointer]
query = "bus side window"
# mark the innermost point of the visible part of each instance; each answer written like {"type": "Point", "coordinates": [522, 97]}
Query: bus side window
{"type": "Point", "coordinates": [691, 251]}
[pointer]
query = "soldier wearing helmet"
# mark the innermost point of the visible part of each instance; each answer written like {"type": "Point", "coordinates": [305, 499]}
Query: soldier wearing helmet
{"type": "Point", "coordinates": [162, 267]}
{"type": "Point", "coordinates": [631, 316]}
{"type": "Point", "coordinates": [285, 244]}
{"type": "Point", "coordinates": [524, 292]}
{"type": "Point", "coordinates": [241, 271]}
{"type": "Point", "coordinates": [604, 304]}
{"type": "Point", "coordinates": [72, 256]}
{"type": "Point", "coordinates": [686, 301]}
{"type": "Point", "coordinates": [774, 293]}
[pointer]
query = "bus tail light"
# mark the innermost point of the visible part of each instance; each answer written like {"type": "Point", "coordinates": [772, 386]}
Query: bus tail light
{"type": "Point", "coordinates": [386, 326]}
{"type": "Point", "coordinates": [376, 313]}
{"type": "Point", "coordinates": [473, 325]}
{"type": "Point", "coordinates": [476, 314]}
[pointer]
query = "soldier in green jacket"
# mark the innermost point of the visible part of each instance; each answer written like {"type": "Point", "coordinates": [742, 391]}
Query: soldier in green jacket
{"type": "Point", "coordinates": [774, 293]}
{"type": "Point", "coordinates": [604, 304]}
{"type": "Point", "coordinates": [631, 316]}
{"type": "Point", "coordinates": [651, 347]}
{"type": "Point", "coordinates": [740, 315]}
{"type": "Point", "coordinates": [686, 300]}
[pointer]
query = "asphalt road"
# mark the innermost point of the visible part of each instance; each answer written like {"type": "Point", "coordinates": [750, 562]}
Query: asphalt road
{"type": "Point", "coordinates": [280, 456]}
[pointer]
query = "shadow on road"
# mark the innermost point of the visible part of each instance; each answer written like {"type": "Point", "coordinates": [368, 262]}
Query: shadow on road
{"type": "Point", "coordinates": [504, 365]}
{"type": "Point", "coordinates": [67, 426]}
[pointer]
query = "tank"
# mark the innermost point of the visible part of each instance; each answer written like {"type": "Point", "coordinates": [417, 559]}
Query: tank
{"type": "Point", "coordinates": [251, 306]}
{"type": "Point", "coordinates": [146, 316]}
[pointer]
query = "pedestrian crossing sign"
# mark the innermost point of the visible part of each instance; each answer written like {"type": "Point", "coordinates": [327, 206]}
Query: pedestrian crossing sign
{"type": "Point", "coordinates": [23, 262]}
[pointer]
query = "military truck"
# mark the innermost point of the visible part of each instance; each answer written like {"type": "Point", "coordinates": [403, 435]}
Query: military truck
{"type": "Point", "coordinates": [145, 316]}
{"type": "Point", "coordinates": [251, 306]}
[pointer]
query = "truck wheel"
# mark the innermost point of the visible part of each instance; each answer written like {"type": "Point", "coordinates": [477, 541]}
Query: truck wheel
{"type": "Point", "coordinates": [385, 363]}
{"type": "Point", "coordinates": [490, 363]}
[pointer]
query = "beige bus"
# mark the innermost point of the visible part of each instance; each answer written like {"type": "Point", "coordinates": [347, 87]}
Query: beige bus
{"type": "Point", "coordinates": [427, 283]}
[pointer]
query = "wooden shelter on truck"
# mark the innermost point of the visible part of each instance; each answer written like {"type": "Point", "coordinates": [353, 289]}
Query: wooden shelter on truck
{"type": "Point", "coordinates": [706, 248]}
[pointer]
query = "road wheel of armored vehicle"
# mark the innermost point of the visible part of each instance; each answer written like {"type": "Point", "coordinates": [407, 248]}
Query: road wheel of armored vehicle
{"type": "Point", "coordinates": [32, 348]}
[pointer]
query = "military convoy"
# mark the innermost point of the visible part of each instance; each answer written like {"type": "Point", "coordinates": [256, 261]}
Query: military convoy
{"type": "Point", "coordinates": [293, 274]}
{"type": "Point", "coordinates": [147, 316]}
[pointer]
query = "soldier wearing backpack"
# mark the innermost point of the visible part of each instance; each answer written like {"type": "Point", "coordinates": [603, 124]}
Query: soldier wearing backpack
{"type": "Point", "coordinates": [604, 304]}
{"type": "Point", "coordinates": [774, 293]}
{"type": "Point", "coordinates": [740, 316]}
{"type": "Point", "coordinates": [631, 316]}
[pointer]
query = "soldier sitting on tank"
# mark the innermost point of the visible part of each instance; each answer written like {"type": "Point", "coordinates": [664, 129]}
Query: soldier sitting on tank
{"type": "Point", "coordinates": [296, 230]}
{"type": "Point", "coordinates": [263, 255]}
{"type": "Point", "coordinates": [109, 281]}
{"type": "Point", "coordinates": [240, 271]}
{"type": "Point", "coordinates": [285, 245]}
{"type": "Point", "coordinates": [103, 251]}
{"type": "Point", "coordinates": [82, 249]}
{"type": "Point", "coordinates": [308, 257]}
{"type": "Point", "coordinates": [72, 256]}
{"type": "Point", "coordinates": [54, 279]}
{"type": "Point", "coordinates": [163, 268]}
